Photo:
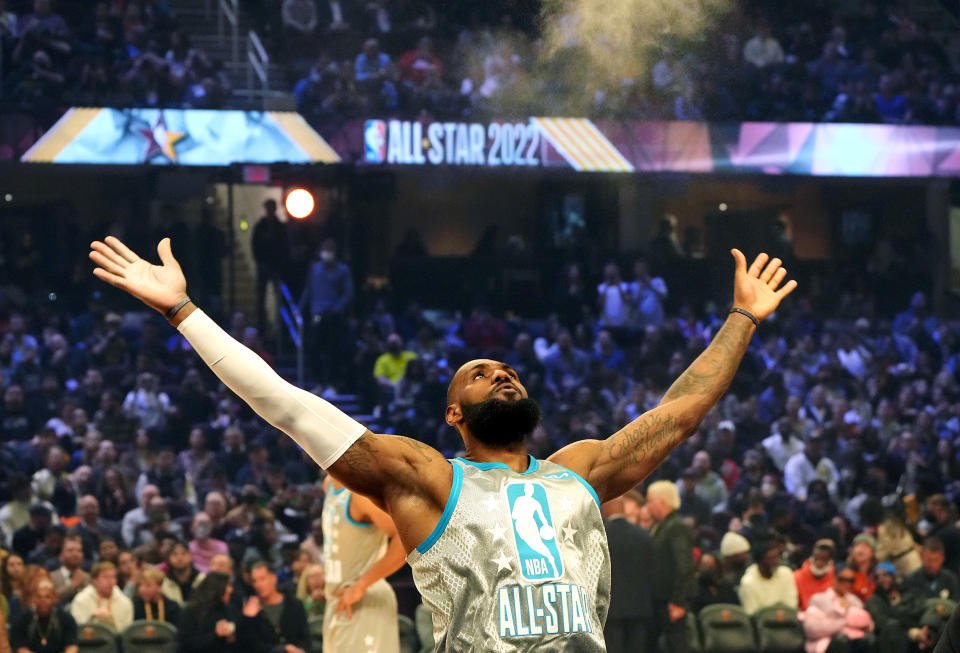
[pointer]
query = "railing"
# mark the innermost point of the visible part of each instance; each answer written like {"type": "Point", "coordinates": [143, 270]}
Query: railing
{"type": "Point", "coordinates": [290, 314]}
{"type": "Point", "coordinates": [229, 13]}
{"type": "Point", "coordinates": [259, 65]}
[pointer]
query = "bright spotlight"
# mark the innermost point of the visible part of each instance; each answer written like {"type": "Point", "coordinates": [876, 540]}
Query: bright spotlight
{"type": "Point", "coordinates": [299, 203]}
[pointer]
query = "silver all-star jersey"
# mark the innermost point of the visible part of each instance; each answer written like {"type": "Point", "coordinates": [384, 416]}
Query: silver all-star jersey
{"type": "Point", "coordinates": [518, 562]}
{"type": "Point", "coordinates": [349, 547]}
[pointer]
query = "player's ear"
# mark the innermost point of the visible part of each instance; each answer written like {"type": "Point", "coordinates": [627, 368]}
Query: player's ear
{"type": "Point", "coordinates": [453, 414]}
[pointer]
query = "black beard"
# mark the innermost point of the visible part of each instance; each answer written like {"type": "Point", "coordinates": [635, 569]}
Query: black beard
{"type": "Point", "coordinates": [500, 424]}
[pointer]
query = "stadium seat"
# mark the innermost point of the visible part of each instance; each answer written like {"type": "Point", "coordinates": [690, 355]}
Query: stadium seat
{"type": "Point", "coordinates": [726, 628]}
{"type": "Point", "coordinates": [779, 630]}
{"type": "Point", "coordinates": [97, 638]}
{"type": "Point", "coordinates": [424, 621]}
{"type": "Point", "coordinates": [694, 642]}
{"type": "Point", "coordinates": [409, 642]}
{"type": "Point", "coordinates": [143, 636]}
{"type": "Point", "coordinates": [316, 632]}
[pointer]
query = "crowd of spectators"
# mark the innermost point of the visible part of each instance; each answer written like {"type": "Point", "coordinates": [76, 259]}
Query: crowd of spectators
{"type": "Point", "coordinates": [110, 53]}
{"type": "Point", "coordinates": [872, 61]}
{"type": "Point", "coordinates": [867, 62]}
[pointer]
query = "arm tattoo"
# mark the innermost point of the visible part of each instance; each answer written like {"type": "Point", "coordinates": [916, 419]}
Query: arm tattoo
{"type": "Point", "coordinates": [711, 373]}
{"type": "Point", "coordinates": [644, 440]}
{"type": "Point", "coordinates": [421, 450]}
{"type": "Point", "coordinates": [637, 449]}
{"type": "Point", "coordinates": [360, 456]}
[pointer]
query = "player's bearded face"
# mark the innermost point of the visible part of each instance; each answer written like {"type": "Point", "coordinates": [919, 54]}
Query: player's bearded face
{"type": "Point", "coordinates": [499, 423]}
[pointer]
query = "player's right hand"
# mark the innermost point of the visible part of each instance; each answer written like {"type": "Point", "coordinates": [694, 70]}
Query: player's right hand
{"type": "Point", "coordinates": [160, 287]}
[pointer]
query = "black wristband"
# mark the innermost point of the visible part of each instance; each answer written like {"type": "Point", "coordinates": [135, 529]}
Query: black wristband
{"type": "Point", "coordinates": [750, 315]}
{"type": "Point", "coordinates": [176, 309]}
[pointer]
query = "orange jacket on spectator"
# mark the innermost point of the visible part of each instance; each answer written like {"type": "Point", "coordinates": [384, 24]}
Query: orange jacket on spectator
{"type": "Point", "coordinates": [808, 584]}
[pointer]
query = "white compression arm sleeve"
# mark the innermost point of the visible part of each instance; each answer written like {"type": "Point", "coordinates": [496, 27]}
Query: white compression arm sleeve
{"type": "Point", "coordinates": [324, 431]}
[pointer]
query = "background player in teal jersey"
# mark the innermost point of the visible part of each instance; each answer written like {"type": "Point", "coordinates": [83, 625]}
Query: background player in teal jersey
{"type": "Point", "coordinates": [488, 405]}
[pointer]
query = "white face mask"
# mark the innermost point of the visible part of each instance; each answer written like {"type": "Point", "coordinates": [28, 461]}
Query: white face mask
{"type": "Point", "coordinates": [201, 531]}
{"type": "Point", "coordinates": [768, 490]}
{"type": "Point", "coordinates": [327, 256]}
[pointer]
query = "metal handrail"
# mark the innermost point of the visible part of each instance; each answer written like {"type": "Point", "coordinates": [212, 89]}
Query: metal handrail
{"type": "Point", "coordinates": [229, 11]}
{"type": "Point", "coordinates": [259, 62]}
{"type": "Point", "coordinates": [291, 316]}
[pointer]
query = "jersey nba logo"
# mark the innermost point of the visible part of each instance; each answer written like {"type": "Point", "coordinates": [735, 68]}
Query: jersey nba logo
{"type": "Point", "coordinates": [533, 531]}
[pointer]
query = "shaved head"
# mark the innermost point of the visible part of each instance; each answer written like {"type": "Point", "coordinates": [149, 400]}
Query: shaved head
{"type": "Point", "coordinates": [462, 375]}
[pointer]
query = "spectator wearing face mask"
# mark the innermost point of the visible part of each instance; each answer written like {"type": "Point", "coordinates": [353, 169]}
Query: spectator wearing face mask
{"type": "Point", "coordinates": [203, 546]}
{"type": "Point", "coordinates": [816, 574]}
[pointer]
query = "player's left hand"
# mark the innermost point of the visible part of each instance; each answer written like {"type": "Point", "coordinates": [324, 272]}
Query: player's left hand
{"type": "Point", "coordinates": [347, 597]}
{"type": "Point", "coordinates": [755, 289]}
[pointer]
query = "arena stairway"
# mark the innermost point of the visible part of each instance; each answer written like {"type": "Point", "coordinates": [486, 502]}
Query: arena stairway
{"type": "Point", "coordinates": [199, 20]}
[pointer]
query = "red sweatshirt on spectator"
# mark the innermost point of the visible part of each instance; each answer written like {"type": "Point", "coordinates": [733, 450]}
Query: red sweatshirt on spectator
{"type": "Point", "coordinates": [808, 584]}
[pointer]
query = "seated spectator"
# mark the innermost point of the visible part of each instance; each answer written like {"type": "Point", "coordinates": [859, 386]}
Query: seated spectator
{"type": "Point", "coordinates": [417, 65]}
{"type": "Point", "coordinates": [91, 528]}
{"type": "Point", "coordinates": [895, 613]}
{"type": "Point", "coordinates": [165, 475]}
{"type": "Point", "coordinates": [941, 512]}
{"type": "Point", "coordinates": [102, 601]}
{"type": "Point", "coordinates": [891, 105]}
{"type": "Point", "coordinates": [691, 504]}
{"type": "Point", "coordinates": [816, 574]}
{"type": "Point", "coordinates": [30, 536]}
{"type": "Point", "coordinates": [767, 581]}
{"type": "Point", "coordinates": [895, 544]}
{"type": "Point", "coordinates": [606, 352]}
{"type": "Point", "coordinates": [566, 366]}
{"type": "Point", "coordinates": [374, 74]}
{"type": "Point", "coordinates": [271, 619]}
{"type": "Point", "coordinates": [712, 587]}
{"type": "Point", "coordinates": [70, 578]}
{"type": "Point", "coordinates": [310, 590]}
{"type": "Point", "coordinates": [221, 563]}
{"type": "Point", "coordinates": [838, 614]}
{"type": "Point", "coordinates": [862, 561]}
{"type": "Point", "coordinates": [48, 551]}
{"type": "Point", "coordinates": [150, 603]}
{"type": "Point", "coordinates": [392, 364]}
{"type": "Point", "coordinates": [208, 622]}
{"type": "Point", "coordinates": [44, 627]}
{"type": "Point", "coordinates": [933, 580]}
{"type": "Point", "coordinates": [135, 521]}
{"type": "Point", "coordinates": [810, 465]}
{"type": "Point", "coordinates": [735, 556]}
{"type": "Point", "coordinates": [203, 546]}
{"type": "Point", "coordinates": [182, 577]}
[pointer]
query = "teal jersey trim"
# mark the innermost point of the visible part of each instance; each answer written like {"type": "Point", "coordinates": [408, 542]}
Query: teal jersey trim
{"type": "Point", "coordinates": [350, 519]}
{"type": "Point", "coordinates": [533, 465]}
{"type": "Point", "coordinates": [589, 487]}
{"type": "Point", "coordinates": [452, 500]}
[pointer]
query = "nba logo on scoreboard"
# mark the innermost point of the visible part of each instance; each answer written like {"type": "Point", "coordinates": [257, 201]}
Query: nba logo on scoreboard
{"type": "Point", "coordinates": [375, 141]}
{"type": "Point", "coordinates": [533, 531]}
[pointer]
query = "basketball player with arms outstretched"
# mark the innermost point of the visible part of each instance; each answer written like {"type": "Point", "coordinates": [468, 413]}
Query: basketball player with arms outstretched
{"type": "Point", "coordinates": [490, 584]}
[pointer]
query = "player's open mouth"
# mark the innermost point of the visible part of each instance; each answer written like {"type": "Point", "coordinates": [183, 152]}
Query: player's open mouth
{"type": "Point", "coordinates": [507, 387]}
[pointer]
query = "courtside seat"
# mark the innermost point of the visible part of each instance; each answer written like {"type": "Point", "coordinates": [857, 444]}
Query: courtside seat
{"type": "Point", "coordinates": [779, 630]}
{"type": "Point", "coordinates": [726, 628]}
{"type": "Point", "coordinates": [97, 638]}
{"type": "Point", "coordinates": [145, 636]}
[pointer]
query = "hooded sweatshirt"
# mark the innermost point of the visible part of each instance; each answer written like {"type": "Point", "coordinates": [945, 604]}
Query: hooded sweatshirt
{"type": "Point", "coordinates": [809, 584]}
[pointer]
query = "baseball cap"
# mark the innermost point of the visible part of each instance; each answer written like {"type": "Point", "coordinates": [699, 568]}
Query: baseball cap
{"type": "Point", "coordinates": [727, 424]}
{"type": "Point", "coordinates": [887, 567]}
{"type": "Point", "coordinates": [867, 539]}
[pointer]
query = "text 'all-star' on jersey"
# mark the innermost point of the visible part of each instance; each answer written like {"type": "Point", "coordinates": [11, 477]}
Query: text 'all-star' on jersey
{"type": "Point", "coordinates": [518, 562]}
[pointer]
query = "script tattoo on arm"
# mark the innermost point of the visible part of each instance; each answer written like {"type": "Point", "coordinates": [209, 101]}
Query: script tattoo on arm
{"type": "Point", "coordinates": [632, 453]}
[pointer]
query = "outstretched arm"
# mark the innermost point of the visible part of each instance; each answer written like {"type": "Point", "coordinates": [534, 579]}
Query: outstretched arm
{"type": "Point", "coordinates": [399, 473]}
{"type": "Point", "coordinates": [620, 462]}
